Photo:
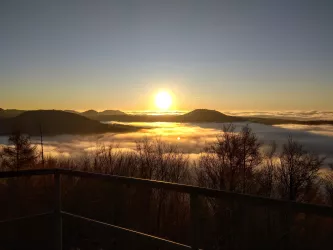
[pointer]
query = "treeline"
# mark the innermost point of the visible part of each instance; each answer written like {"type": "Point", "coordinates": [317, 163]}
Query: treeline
{"type": "Point", "coordinates": [235, 162]}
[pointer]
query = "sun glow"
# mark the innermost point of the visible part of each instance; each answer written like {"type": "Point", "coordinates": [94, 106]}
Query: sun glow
{"type": "Point", "coordinates": [163, 100]}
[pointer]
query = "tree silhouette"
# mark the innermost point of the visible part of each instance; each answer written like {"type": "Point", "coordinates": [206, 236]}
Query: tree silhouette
{"type": "Point", "coordinates": [298, 170]}
{"type": "Point", "coordinates": [228, 163]}
{"type": "Point", "coordinates": [20, 153]}
{"type": "Point", "coordinates": [265, 176]}
{"type": "Point", "coordinates": [328, 185]}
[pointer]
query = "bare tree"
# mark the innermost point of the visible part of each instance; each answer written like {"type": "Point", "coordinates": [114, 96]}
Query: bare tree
{"type": "Point", "coordinates": [162, 161]}
{"type": "Point", "coordinates": [298, 170]}
{"type": "Point", "coordinates": [250, 156]}
{"type": "Point", "coordinates": [20, 153]}
{"type": "Point", "coordinates": [41, 145]}
{"type": "Point", "coordinates": [328, 185]}
{"type": "Point", "coordinates": [266, 174]}
{"type": "Point", "coordinates": [228, 163]}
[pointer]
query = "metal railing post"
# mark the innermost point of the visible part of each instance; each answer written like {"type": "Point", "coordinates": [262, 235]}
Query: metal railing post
{"type": "Point", "coordinates": [194, 206]}
{"type": "Point", "coordinates": [57, 211]}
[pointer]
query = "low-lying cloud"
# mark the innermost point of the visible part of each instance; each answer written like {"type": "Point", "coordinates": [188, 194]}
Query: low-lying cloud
{"type": "Point", "coordinates": [297, 115]}
{"type": "Point", "coordinates": [289, 114]}
{"type": "Point", "coordinates": [326, 130]}
{"type": "Point", "coordinates": [190, 138]}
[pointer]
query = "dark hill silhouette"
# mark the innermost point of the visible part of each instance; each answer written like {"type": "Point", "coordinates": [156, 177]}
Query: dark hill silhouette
{"type": "Point", "coordinates": [112, 112]}
{"type": "Point", "coordinates": [90, 112]}
{"type": "Point", "coordinates": [57, 122]}
{"type": "Point", "coordinates": [6, 113]}
{"type": "Point", "coordinates": [198, 115]}
{"type": "Point", "coordinates": [207, 115]}
{"type": "Point", "coordinates": [72, 111]}
{"type": "Point", "coordinates": [93, 114]}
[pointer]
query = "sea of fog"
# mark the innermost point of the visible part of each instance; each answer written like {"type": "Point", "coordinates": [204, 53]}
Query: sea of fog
{"type": "Point", "coordinates": [291, 114]}
{"type": "Point", "coordinates": [190, 138]}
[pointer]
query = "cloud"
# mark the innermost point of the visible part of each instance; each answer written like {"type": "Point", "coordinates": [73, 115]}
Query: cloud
{"type": "Point", "coordinates": [192, 138]}
{"type": "Point", "coordinates": [315, 129]}
{"type": "Point", "coordinates": [289, 114]}
{"type": "Point", "coordinates": [299, 115]}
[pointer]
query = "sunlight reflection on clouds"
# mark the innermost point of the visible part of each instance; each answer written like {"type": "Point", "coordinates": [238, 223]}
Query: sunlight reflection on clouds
{"type": "Point", "coordinates": [297, 115]}
{"type": "Point", "coordinates": [315, 129]}
{"type": "Point", "coordinates": [193, 138]}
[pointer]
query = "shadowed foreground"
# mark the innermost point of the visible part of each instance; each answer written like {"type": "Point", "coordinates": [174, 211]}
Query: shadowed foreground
{"type": "Point", "coordinates": [241, 222]}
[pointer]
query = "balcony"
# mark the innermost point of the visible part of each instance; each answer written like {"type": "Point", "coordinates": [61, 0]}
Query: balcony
{"type": "Point", "coordinates": [61, 223]}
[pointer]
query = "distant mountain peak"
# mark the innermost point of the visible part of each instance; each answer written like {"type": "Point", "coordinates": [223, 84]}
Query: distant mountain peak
{"type": "Point", "coordinates": [72, 111]}
{"type": "Point", "coordinates": [205, 111]}
{"type": "Point", "coordinates": [112, 112]}
{"type": "Point", "coordinates": [54, 122]}
{"type": "Point", "coordinates": [6, 113]}
{"type": "Point", "coordinates": [105, 112]}
{"type": "Point", "coordinates": [207, 115]}
{"type": "Point", "coordinates": [90, 112]}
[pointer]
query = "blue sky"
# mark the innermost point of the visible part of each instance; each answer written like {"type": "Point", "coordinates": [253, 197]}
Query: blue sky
{"type": "Point", "coordinates": [225, 55]}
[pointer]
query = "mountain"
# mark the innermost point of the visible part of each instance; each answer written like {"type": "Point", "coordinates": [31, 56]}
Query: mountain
{"type": "Point", "coordinates": [198, 115]}
{"type": "Point", "coordinates": [90, 112]}
{"type": "Point", "coordinates": [6, 113]}
{"type": "Point", "coordinates": [112, 112]}
{"type": "Point", "coordinates": [72, 111]}
{"type": "Point", "coordinates": [206, 115]}
{"type": "Point", "coordinates": [55, 122]}
{"type": "Point", "coordinates": [93, 114]}
{"type": "Point", "coordinates": [195, 116]}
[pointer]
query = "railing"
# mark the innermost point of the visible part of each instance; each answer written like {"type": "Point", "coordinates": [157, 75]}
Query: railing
{"type": "Point", "coordinates": [193, 191]}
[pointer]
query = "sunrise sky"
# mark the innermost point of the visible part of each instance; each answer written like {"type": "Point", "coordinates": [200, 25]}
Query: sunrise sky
{"type": "Point", "coordinates": [224, 55]}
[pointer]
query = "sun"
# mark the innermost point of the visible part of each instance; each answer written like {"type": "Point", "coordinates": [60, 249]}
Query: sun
{"type": "Point", "coordinates": [163, 100]}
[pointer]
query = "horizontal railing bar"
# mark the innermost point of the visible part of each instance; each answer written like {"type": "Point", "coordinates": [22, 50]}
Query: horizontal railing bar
{"type": "Point", "coordinates": [27, 217]}
{"type": "Point", "coordinates": [159, 241]}
{"type": "Point", "coordinates": [27, 172]}
{"type": "Point", "coordinates": [320, 210]}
